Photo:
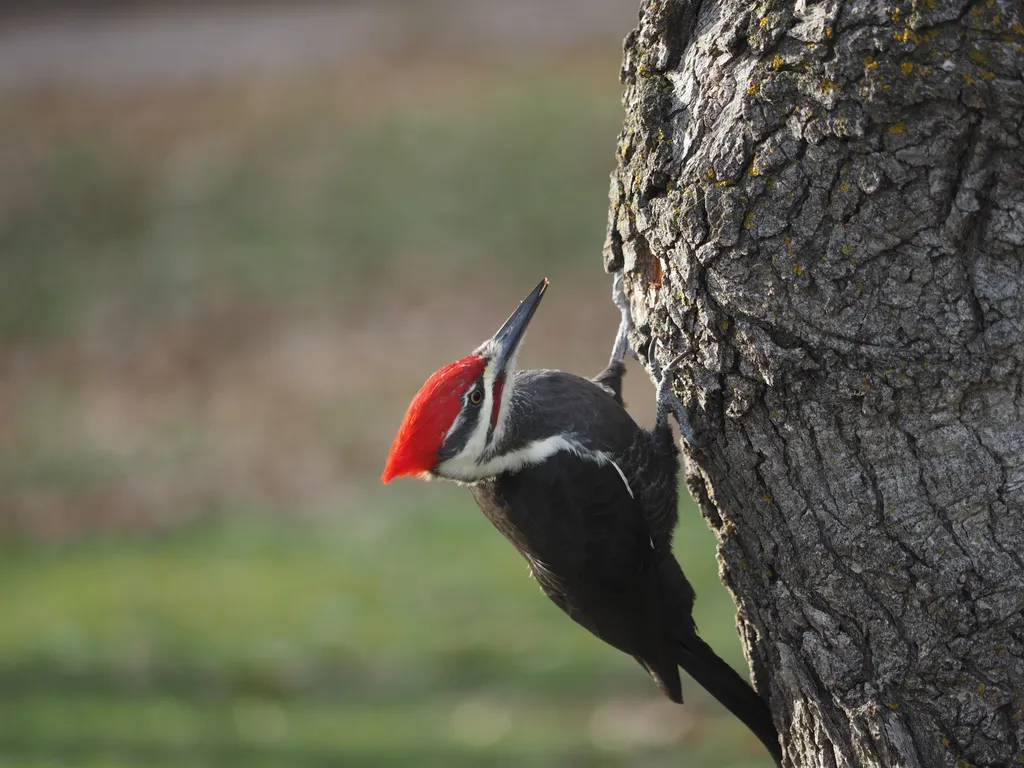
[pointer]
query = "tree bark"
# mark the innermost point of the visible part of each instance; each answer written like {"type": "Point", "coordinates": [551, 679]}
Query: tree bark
{"type": "Point", "coordinates": [824, 204]}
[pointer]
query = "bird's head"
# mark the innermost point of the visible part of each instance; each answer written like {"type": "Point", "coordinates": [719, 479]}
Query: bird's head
{"type": "Point", "coordinates": [458, 414]}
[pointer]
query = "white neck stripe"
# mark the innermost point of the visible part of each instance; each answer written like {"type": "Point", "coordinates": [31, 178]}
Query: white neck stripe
{"type": "Point", "coordinates": [469, 471]}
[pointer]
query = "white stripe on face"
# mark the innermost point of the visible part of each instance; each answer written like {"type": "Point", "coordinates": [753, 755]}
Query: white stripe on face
{"type": "Point", "coordinates": [461, 464]}
{"type": "Point", "coordinates": [529, 455]}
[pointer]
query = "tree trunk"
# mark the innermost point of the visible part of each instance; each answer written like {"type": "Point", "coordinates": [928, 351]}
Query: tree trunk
{"type": "Point", "coordinates": [824, 203]}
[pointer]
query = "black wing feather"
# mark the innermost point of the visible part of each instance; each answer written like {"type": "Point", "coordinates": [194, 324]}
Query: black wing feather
{"type": "Point", "coordinates": [598, 563]}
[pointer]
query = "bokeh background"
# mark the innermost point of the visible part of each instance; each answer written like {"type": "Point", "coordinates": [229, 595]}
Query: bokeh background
{"type": "Point", "coordinates": [234, 239]}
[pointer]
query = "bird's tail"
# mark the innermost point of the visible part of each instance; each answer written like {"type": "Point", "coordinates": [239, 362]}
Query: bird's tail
{"type": "Point", "coordinates": [734, 693]}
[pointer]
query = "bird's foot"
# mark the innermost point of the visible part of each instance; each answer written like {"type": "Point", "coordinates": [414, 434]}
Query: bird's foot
{"type": "Point", "coordinates": [621, 347]}
{"type": "Point", "coordinates": [666, 398]}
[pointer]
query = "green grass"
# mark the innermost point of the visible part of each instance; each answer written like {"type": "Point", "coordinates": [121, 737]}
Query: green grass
{"type": "Point", "coordinates": [405, 633]}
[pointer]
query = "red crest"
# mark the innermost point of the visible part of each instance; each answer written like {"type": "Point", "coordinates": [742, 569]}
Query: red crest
{"type": "Point", "coordinates": [429, 417]}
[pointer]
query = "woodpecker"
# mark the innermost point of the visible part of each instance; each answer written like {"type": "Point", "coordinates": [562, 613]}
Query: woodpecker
{"type": "Point", "coordinates": [587, 496]}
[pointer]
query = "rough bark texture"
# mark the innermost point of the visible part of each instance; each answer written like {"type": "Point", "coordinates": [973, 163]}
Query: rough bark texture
{"type": "Point", "coordinates": [825, 203]}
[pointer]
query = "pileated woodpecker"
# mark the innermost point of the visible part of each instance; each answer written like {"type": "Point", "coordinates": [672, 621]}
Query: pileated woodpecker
{"type": "Point", "coordinates": [588, 497]}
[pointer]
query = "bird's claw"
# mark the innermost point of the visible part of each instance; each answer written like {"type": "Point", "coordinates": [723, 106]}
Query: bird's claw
{"type": "Point", "coordinates": [619, 293]}
{"type": "Point", "coordinates": [666, 399]}
{"type": "Point", "coordinates": [621, 347]}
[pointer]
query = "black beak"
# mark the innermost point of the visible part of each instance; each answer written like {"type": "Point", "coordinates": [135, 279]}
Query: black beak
{"type": "Point", "coordinates": [506, 340]}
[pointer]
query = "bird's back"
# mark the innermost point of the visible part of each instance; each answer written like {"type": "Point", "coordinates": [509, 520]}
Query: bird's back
{"type": "Point", "coordinates": [602, 557]}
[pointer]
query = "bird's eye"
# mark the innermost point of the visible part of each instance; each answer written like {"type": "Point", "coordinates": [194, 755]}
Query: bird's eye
{"type": "Point", "coordinates": [476, 397]}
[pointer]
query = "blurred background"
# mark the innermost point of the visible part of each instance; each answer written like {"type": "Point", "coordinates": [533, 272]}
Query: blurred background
{"type": "Point", "coordinates": [234, 240]}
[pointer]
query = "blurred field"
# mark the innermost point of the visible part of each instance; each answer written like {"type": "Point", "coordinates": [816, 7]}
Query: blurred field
{"type": "Point", "coordinates": [407, 635]}
{"type": "Point", "coordinates": [215, 302]}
